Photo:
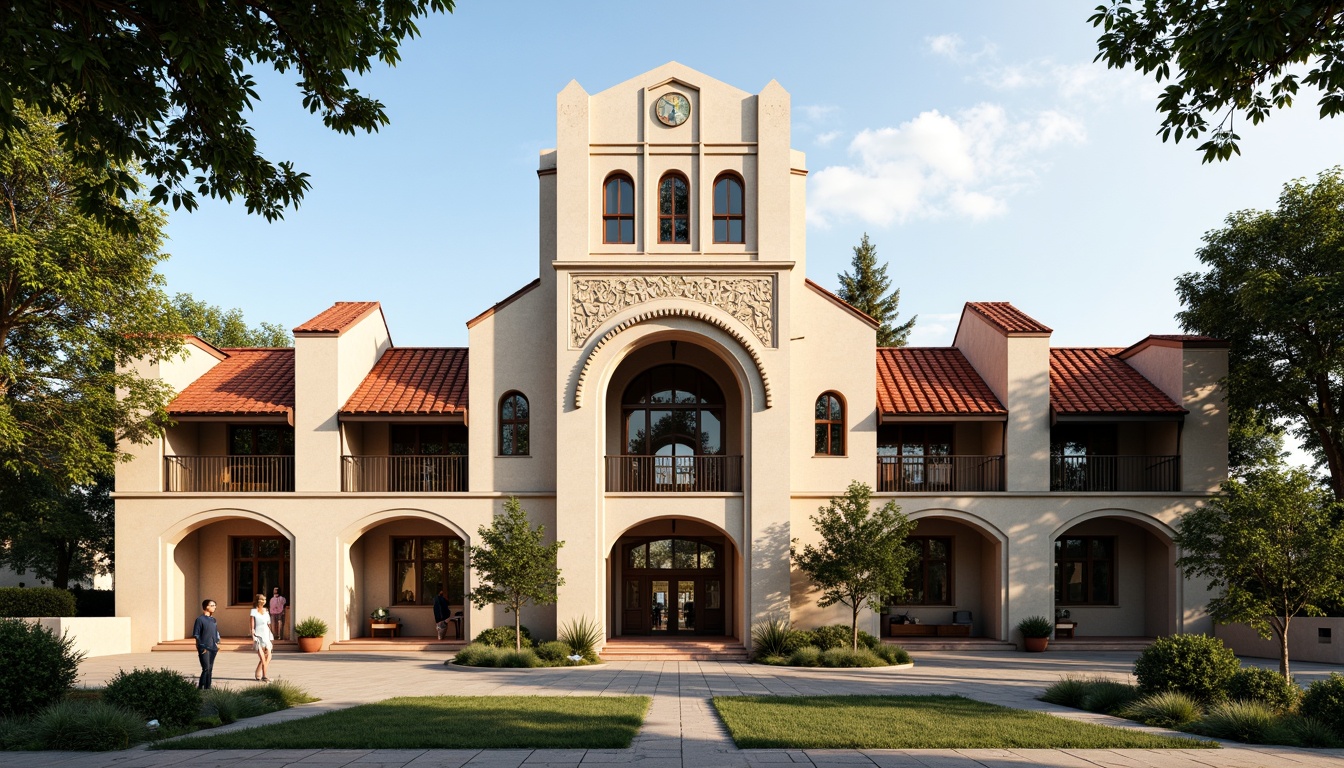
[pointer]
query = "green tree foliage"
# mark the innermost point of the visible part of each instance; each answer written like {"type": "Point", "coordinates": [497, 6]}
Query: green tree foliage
{"type": "Point", "coordinates": [167, 85]}
{"type": "Point", "coordinates": [1271, 542]}
{"type": "Point", "coordinates": [226, 328]}
{"type": "Point", "coordinates": [861, 557]}
{"type": "Point", "coordinates": [514, 566]}
{"type": "Point", "coordinates": [1222, 57]}
{"type": "Point", "coordinates": [1274, 290]}
{"type": "Point", "coordinates": [62, 533]}
{"type": "Point", "coordinates": [78, 303]}
{"type": "Point", "coordinates": [866, 290]}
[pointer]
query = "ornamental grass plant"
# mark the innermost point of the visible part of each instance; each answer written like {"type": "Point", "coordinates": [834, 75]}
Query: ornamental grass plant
{"type": "Point", "coordinates": [1168, 709]}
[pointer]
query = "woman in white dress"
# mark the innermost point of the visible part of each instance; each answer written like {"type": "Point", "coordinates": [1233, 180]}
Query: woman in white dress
{"type": "Point", "coordinates": [262, 640]}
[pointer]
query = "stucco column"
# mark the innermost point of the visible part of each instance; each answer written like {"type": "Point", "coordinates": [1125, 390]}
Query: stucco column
{"type": "Point", "coordinates": [1031, 579]}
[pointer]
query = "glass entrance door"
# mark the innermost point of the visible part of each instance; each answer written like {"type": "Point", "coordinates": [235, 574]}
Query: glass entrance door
{"type": "Point", "coordinates": [685, 607]}
{"type": "Point", "coordinates": [661, 616]}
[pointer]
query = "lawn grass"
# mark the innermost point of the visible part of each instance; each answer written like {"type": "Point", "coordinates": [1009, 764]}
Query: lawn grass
{"type": "Point", "coordinates": [450, 722]}
{"type": "Point", "coordinates": [916, 722]}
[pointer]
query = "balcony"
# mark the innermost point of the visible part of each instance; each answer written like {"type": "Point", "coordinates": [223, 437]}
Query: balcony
{"type": "Point", "coordinates": [939, 474]}
{"type": "Point", "coordinates": [403, 474]}
{"type": "Point", "coordinates": [674, 474]}
{"type": "Point", "coordinates": [1115, 473]}
{"type": "Point", "coordinates": [228, 474]}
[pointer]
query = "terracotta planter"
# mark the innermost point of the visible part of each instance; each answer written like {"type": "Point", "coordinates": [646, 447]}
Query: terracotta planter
{"type": "Point", "coordinates": [1035, 644]}
{"type": "Point", "coordinates": [310, 644]}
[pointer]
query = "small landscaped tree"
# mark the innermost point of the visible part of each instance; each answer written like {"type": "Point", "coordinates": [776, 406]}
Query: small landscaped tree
{"type": "Point", "coordinates": [514, 566]}
{"type": "Point", "coordinates": [861, 558]}
{"type": "Point", "coordinates": [1272, 542]}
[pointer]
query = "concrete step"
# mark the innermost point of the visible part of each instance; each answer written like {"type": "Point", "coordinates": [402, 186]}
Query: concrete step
{"type": "Point", "coordinates": [384, 644]}
{"type": "Point", "coordinates": [1100, 644]}
{"type": "Point", "coordinates": [227, 644]}
{"type": "Point", "coordinates": [689, 649]}
{"type": "Point", "coordinates": [917, 644]}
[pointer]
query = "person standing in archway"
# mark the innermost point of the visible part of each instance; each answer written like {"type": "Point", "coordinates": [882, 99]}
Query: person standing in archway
{"type": "Point", "coordinates": [277, 610]}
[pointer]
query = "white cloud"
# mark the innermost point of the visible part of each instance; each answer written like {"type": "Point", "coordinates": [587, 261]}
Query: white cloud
{"type": "Point", "coordinates": [1088, 81]}
{"type": "Point", "coordinates": [945, 45]}
{"type": "Point", "coordinates": [818, 112]}
{"type": "Point", "coordinates": [825, 139]}
{"type": "Point", "coordinates": [966, 165]}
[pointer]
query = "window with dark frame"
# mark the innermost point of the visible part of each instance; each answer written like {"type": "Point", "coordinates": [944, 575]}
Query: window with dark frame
{"type": "Point", "coordinates": [514, 439]}
{"type": "Point", "coordinates": [422, 565]}
{"type": "Point", "coordinates": [261, 440]}
{"type": "Point", "coordinates": [919, 452]}
{"type": "Point", "coordinates": [674, 209]}
{"type": "Point", "coordinates": [830, 425]}
{"type": "Point", "coordinates": [618, 209]}
{"type": "Point", "coordinates": [258, 564]}
{"type": "Point", "coordinates": [1085, 570]}
{"type": "Point", "coordinates": [929, 580]}
{"type": "Point", "coordinates": [428, 440]}
{"type": "Point", "coordinates": [673, 554]}
{"type": "Point", "coordinates": [729, 210]}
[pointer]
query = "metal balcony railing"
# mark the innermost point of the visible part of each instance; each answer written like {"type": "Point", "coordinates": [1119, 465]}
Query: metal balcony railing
{"type": "Point", "coordinates": [674, 474]}
{"type": "Point", "coordinates": [228, 474]}
{"type": "Point", "coordinates": [939, 474]}
{"type": "Point", "coordinates": [1115, 473]}
{"type": "Point", "coordinates": [403, 474]}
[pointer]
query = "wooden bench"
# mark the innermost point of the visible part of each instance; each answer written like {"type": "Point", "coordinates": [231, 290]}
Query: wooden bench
{"type": "Point", "coordinates": [392, 627]}
{"type": "Point", "coordinates": [1064, 629]}
{"type": "Point", "coordinates": [930, 630]}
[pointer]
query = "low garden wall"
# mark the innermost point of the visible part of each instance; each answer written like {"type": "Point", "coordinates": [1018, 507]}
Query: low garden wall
{"type": "Point", "coordinates": [1310, 638]}
{"type": "Point", "coordinates": [93, 635]}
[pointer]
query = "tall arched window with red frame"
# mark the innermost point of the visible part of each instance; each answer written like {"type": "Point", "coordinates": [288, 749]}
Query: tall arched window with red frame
{"type": "Point", "coordinates": [674, 209]}
{"type": "Point", "coordinates": [618, 209]}
{"type": "Point", "coordinates": [830, 425]}
{"type": "Point", "coordinates": [730, 221]}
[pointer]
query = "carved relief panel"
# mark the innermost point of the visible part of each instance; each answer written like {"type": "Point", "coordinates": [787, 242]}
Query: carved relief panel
{"type": "Point", "coordinates": [750, 300]}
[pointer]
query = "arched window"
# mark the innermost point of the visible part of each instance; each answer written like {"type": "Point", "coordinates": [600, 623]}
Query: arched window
{"type": "Point", "coordinates": [830, 425]}
{"type": "Point", "coordinates": [673, 419]}
{"type": "Point", "coordinates": [729, 217]}
{"type": "Point", "coordinates": [674, 209]}
{"type": "Point", "coordinates": [618, 209]}
{"type": "Point", "coordinates": [513, 418]}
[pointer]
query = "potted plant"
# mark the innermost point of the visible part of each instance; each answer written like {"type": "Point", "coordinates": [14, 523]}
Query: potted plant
{"type": "Point", "coordinates": [1036, 632]}
{"type": "Point", "coordinates": [311, 632]}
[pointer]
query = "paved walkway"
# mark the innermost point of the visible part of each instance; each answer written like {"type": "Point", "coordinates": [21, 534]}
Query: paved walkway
{"type": "Point", "coordinates": [682, 730]}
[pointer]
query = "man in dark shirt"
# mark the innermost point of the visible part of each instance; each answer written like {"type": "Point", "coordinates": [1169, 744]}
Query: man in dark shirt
{"type": "Point", "coordinates": [441, 613]}
{"type": "Point", "coordinates": [206, 632]}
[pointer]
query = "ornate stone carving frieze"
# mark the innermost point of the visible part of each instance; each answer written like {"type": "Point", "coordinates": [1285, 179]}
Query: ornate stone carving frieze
{"type": "Point", "coordinates": [750, 300]}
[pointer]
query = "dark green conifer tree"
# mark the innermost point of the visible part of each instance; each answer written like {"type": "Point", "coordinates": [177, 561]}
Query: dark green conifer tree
{"type": "Point", "coordinates": [866, 289]}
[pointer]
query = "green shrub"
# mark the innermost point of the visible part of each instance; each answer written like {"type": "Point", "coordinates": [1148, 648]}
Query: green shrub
{"type": "Point", "coordinates": [1036, 626]}
{"type": "Point", "coordinates": [224, 703]}
{"type": "Point", "coordinates": [311, 627]}
{"type": "Point", "coordinates": [826, 638]}
{"type": "Point", "coordinates": [1268, 686]}
{"type": "Point", "coordinates": [774, 661]}
{"type": "Point", "coordinates": [892, 654]}
{"type": "Point", "coordinates": [59, 726]}
{"type": "Point", "coordinates": [1249, 721]}
{"type": "Point", "coordinates": [37, 668]}
{"type": "Point", "coordinates": [82, 725]}
{"type": "Point", "coordinates": [156, 694]}
{"type": "Point", "coordinates": [207, 721]}
{"type": "Point", "coordinates": [775, 638]}
{"type": "Point", "coordinates": [844, 657]}
{"type": "Point", "coordinates": [583, 636]}
{"type": "Point", "coordinates": [1308, 732]}
{"type": "Point", "coordinates": [554, 652]}
{"type": "Point", "coordinates": [1324, 701]}
{"type": "Point", "coordinates": [477, 655]}
{"type": "Point", "coordinates": [16, 734]}
{"type": "Point", "coordinates": [107, 727]}
{"type": "Point", "coordinates": [503, 637]}
{"type": "Point", "coordinates": [524, 659]}
{"type": "Point", "coordinates": [281, 694]}
{"type": "Point", "coordinates": [1109, 697]}
{"type": "Point", "coordinates": [32, 602]}
{"type": "Point", "coordinates": [807, 656]}
{"type": "Point", "coordinates": [94, 602]}
{"type": "Point", "coordinates": [1168, 709]}
{"type": "Point", "coordinates": [1199, 666]}
{"type": "Point", "coordinates": [1068, 691]}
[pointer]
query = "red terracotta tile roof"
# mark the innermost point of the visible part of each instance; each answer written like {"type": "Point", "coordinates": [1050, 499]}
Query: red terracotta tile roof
{"type": "Point", "coordinates": [1008, 318]}
{"type": "Point", "coordinates": [429, 381]}
{"type": "Point", "coordinates": [340, 316]}
{"type": "Point", "coordinates": [249, 382]}
{"type": "Point", "coordinates": [1096, 381]}
{"type": "Point", "coordinates": [835, 299]}
{"type": "Point", "coordinates": [931, 380]}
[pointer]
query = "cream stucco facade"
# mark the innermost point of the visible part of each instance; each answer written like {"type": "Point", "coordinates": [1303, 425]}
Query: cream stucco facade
{"type": "Point", "coordinates": [750, 345]}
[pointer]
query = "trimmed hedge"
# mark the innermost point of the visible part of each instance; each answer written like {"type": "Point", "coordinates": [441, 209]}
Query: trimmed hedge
{"type": "Point", "coordinates": [503, 637]}
{"type": "Point", "coordinates": [1199, 666]}
{"type": "Point", "coordinates": [33, 602]}
{"type": "Point", "coordinates": [37, 668]}
{"type": "Point", "coordinates": [1324, 701]}
{"type": "Point", "coordinates": [157, 694]}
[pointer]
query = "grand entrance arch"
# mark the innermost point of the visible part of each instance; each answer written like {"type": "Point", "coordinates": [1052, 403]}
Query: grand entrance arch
{"type": "Point", "coordinates": [674, 578]}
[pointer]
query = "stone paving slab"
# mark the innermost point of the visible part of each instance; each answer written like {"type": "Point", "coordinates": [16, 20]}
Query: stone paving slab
{"type": "Point", "coordinates": [682, 729]}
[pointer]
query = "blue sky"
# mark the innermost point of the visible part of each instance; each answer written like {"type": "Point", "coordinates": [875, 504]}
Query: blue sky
{"type": "Point", "coordinates": [984, 153]}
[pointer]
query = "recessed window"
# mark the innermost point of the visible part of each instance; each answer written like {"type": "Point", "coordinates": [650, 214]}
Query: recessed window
{"type": "Point", "coordinates": [618, 210]}
{"type": "Point", "coordinates": [929, 580]}
{"type": "Point", "coordinates": [1085, 570]}
{"type": "Point", "coordinates": [513, 425]}
{"type": "Point", "coordinates": [258, 564]}
{"type": "Point", "coordinates": [261, 440]}
{"type": "Point", "coordinates": [423, 565]}
{"type": "Point", "coordinates": [830, 425]}
{"type": "Point", "coordinates": [729, 216]}
{"type": "Point", "coordinates": [674, 209]}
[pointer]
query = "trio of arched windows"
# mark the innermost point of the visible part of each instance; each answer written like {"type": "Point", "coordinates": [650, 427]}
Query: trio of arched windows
{"type": "Point", "coordinates": [672, 408]}
{"type": "Point", "coordinates": [674, 209]}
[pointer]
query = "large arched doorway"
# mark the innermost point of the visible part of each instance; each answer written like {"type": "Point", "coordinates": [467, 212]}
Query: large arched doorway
{"type": "Point", "coordinates": [955, 582]}
{"type": "Point", "coordinates": [401, 562]}
{"type": "Point", "coordinates": [674, 578]}
{"type": "Point", "coordinates": [1115, 576]}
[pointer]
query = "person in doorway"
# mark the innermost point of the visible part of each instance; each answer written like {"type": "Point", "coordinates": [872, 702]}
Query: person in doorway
{"type": "Point", "coordinates": [262, 639]}
{"type": "Point", "coordinates": [442, 612]}
{"type": "Point", "coordinates": [658, 615]}
{"type": "Point", "coordinates": [206, 632]}
{"type": "Point", "coordinates": [277, 609]}
{"type": "Point", "coordinates": [688, 615]}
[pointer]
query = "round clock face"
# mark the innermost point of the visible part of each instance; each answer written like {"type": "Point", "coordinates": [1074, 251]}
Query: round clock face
{"type": "Point", "coordinates": [673, 109]}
